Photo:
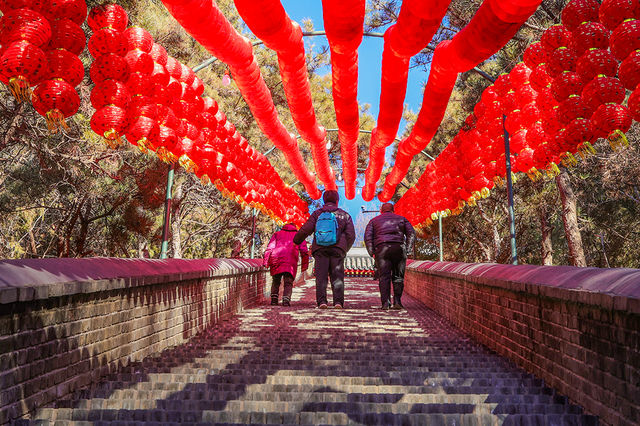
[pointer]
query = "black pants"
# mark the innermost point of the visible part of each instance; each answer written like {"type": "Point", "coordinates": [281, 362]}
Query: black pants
{"type": "Point", "coordinates": [391, 261]}
{"type": "Point", "coordinates": [288, 286]}
{"type": "Point", "coordinates": [329, 264]}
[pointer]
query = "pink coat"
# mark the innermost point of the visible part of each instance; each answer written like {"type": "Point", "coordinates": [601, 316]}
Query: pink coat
{"type": "Point", "coordinates": [282, 254]}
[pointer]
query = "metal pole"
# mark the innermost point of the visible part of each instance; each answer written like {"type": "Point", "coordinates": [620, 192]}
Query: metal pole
{"type": "Point", "coordinates": [254, 213]}
{"type": "Point", "coordinates": [440, 232]}
{"type": "Point", "coordinates": [167, 214]}
{"type": "Point", "coordinates": [512, 218]}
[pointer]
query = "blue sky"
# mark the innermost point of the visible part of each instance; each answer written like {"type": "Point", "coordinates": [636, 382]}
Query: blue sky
{"type": "Point", "coordinates": [370, 58]}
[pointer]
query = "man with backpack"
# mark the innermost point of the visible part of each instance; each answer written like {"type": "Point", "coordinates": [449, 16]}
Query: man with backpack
{"type": "Point", "coordinates": [334, 235]}
{"type": "Point", "coordinates": [389, 237]}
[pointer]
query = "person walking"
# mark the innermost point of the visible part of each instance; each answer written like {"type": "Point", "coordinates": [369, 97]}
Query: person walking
{"type": "Point", "coordinates": [281, 257]}
{"type": "Point", "coordinates": [333, 236]}
{"type": "Point", "coordinates": [388, 238]}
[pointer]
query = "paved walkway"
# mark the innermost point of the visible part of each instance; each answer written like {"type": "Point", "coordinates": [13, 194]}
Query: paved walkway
{"type": "Point", "coordinates": [302, 365]}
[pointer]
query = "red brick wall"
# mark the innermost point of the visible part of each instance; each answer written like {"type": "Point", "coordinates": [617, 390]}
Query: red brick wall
{"type": "Point", "coordinates": [65, 324]}
{"type": "Point", "coordinates": [576, 328]}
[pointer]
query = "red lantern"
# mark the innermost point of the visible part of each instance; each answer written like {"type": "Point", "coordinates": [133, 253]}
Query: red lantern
{"type": "Point", "coordinates": [519, 75]}
{"type": "Point", "coordinates": [566, 84]}
{"type": "Point", "coordinates": [629, 72]}
{"type": "Point", "coordinates": [142, 106]}
{"type": "Point", "coordinates": [602, 90]}
{"type": "Point", "coordinates": [110, 122]}
{"type": "Point", "coordinates": [610, 120]}
{"type": "Point", "coordinates": [159, 54]}
{"type": "Point", "coordinates": [107, 40]}
{"type": "Point", "coordinates": [633, 104]}
{"type": "Point", "coordinates": [560, 60]}
{"type": "Point", "coordinates": [554, 37]}
{"type": "Point", "coordinates": [159, 75]}
{"type": "Point", "coordinates": [139, 61]}
{"type": "Point", "coordinates": [110, 92]}
{"type": "Point", "coordinates": [167, 140]}
{"type": "Point", "coordinates": [22, 64]}
{"type": "Point", "coordinates": [108, 15]}
{"type": "Point", "coordinates": [577, 134]}
{"type": "Point", "coordinates": [625, 39]}
{"type": "Point", "coordinates": [7, 5]}
{"type": "Point", "coordinates": [572, 108]}
{"type": "Point", "coordinates": [579, 11]}
{"type": "Point", "coordinates": [109, 66]}
{"type": "Point", "coordinates": [540, 77]}
{"type": "Point", "coordinates": [66, 66]}
{"type": "Point", "coordinates": [197, 86]}
{"type": "Point", "coordinates": [75, 10]}
{"type": "Point", "coordinates": [55, 100]}
{"type": "Point", "coordinates": [144, 133]}
{"type": "Point", "coordinates": [139, 84]}
{"type": "Point", "coordinates": [27, 25]}
{"type": "Point", "coordinates": [534, 55]}
{"type": "Point", "coordinates": [66, 34]}
{"type": "Point", "coordinates": [138, 38]}
{"type": "Point", "coordinates": [595, 62]}
{"type": "Point", "coordinates": [614, 12]}
{"type": "Point", "coordinates": [590, 35]}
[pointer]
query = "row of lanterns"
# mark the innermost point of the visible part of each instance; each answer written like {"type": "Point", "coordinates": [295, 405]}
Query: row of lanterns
{"type": "Point", "coordinates": [568, 92]}
{"type": "Point", "coordinates": [407, 37]}
{"type": "Point", "coordinates": [268, 21]}
{"type": "Point", "coordinates": [41, 41]}
{"type": "Point", "coordinates": [156, 101]}
{"type": "Point", "coordinates": [492, 26]}
{"type": "Point", "coordinates": [205, 22]}
{"type": "Point", "coordinates": [343, 23]}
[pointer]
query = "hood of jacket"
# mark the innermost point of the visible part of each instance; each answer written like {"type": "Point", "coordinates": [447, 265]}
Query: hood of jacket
{"type": "Point", "coordinates": [289, 227]}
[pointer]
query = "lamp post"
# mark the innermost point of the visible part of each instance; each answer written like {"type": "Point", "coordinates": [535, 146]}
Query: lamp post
{"type": "Point", "coordinates": [512, 219]}
{"type": "Point", "coordinates": [164, 248]}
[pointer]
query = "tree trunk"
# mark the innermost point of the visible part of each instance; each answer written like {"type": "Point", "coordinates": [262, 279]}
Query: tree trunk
{"type": "Point", "coordinates": [570, 219]}
{"type": "Point", "coordinates": [545, 229]}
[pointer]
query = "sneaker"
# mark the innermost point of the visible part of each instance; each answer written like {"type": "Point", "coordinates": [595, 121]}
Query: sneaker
{"type": "Point", "coordinates": [322, 306]}
{"type": "Point", "coordinates": [385, 307]}
{"type": "Point", "coordinates": [397, 306]}
{"type": "Point", "coordinates": [274, 302]}
{"type": "Point", "coordinates": [337, 306]}
{"type": "Point", "coordinates": [286, 303]}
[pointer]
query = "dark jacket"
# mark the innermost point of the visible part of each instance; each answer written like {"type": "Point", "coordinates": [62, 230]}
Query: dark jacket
{"type": "Point", "coordinates": [388, 228]}
{"type": "Point", "coordinates": [346, 231]}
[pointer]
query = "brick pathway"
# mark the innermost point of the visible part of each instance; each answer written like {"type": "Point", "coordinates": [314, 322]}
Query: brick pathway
{"type": "Point", "coordinates": [301, 365]}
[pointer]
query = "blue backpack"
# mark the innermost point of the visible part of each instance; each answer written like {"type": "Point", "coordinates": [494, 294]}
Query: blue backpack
{"type": "Point", "coordinates": [326, 229]}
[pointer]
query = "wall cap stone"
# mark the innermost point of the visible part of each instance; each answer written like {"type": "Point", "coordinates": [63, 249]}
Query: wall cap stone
{"type": "Point", "coordinates": [33, 279]}
{"type": "Point", "coordinates": [615, 288]}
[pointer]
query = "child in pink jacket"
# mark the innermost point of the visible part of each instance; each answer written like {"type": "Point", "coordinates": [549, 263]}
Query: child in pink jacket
{"type": "Point", "coordinates": [282, 257]}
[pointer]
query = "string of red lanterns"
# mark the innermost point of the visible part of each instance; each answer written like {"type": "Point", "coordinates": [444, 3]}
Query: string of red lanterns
{"type": "Point", "coordinates": [343, 22]}
{"type": "Point", "coordinates": [412, 32]}
{"type": "Point", "coordinates": [204, 21]}
{"type": "Point", "coordinates": [492, 26]}
{"type": "Point", "coordinates": [268, 20]}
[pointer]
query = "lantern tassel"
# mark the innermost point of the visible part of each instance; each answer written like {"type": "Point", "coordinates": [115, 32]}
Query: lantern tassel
{"type": "Point", "coordinates": [55, 121]}
{"type": "Point", "coordinates": [19, 87]}
{"type": "Point", "coordinates": [204, 179]}
{"type": "Point", "coordinates": [618, 139]}
{"type": "Point", "coordinates": [112, 138]}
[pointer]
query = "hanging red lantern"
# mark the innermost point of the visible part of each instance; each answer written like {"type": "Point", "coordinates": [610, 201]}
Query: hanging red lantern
{"type": "Point", "coordinates": [66, 66]}
{"type": "Point", "coordinates": [8, 5]}
{"type": "Point", "coordinates": [159, 75]}
{"type": "Point", "coordinates": [590, 35]}
{"type": "Point", "coordinates": [579, 11]}
{"type": "Point", "coordinates": [159, 54]}
{"type": "Point", "coordinates": [138, 38]}
{"type": "Point", "coordinates": [110, 122]}
{"type": "Point", "coordinates": [578, 134]}
{"type": "Point", "coordinates": [530, 114]}
{"type": "Point", "coordinates": [160, 94]}
{"type": "Point", "coordinates": [142, 106]}
{"type": "Point", "coordinates": [110, 92]}
{"type": "Point", "coordinates": [572, 108]}
{"type": "Point", "coordinates": [144, 133]}
{"type": "Point", "coordinates": [602, 90]}
{"type": "Point", "coordinates": [540, 77]}
{"type": "Point", "coordinates": [66, 34]}
{"type": "Point", "coordinates": [139, 84]}
{"type": "Point", "coordinates": [55, 100]}
{"type": "Point", "coordinates": [611, 121]}
{"type": "Point", "coordinates": [566, 84]}
{"type": "Point", "coordinates": [625, 39]}
{"type": "Point", "coordinates": [174, 67]}
{"type": "Point", "coordinates": [197, 86]}
{"type": "Point", "coordinates": [629, 72]}
{"type": "Point", "coordinates": [22, 64]}
{"type": "Point", "coordinates": [560, 60]}
{"type": "Point", "coordinates": [187, 75]}
{"type": "Point", "coordinates": [107, 40]}
{"type": "Point", "coordinates": [613, 12]}
{"type": "Point", "coordinates": [167, 139]}
{"type": "Point", "coordinates": [108, 15]}
{"type": "Point", "coordinates": [633, 104]}
{"type": "Point", "coordinates": [27, 25]}
{"type": "Point", "coordinates": [595, 62]}
{"type": "Point", "coordinates": [174, 89]}
{"type": "Point", "coordinates": [75, 10]}
{"type": "Point", "coordinates": [139, 62]}
{"type": "Point", "coordinates": [554, 37]}
{"type": "Point", "coordinates": [534, 55]}
{"type": "Point", "coordinates": [109, 66]}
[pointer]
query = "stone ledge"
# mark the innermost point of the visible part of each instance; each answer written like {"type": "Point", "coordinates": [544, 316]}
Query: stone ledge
{"type": "Point", "coordinates": [617, 288]}
{"type": "Point", "coordinates": [34, 279]}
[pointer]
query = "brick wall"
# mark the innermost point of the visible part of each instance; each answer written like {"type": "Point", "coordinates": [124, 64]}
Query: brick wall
{"type": "Point", "coordinates": [577, 328]}
{"type": "Point", "coordinates": [66, 322]}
